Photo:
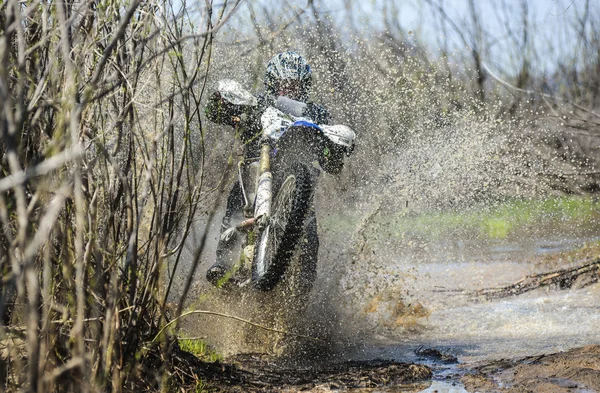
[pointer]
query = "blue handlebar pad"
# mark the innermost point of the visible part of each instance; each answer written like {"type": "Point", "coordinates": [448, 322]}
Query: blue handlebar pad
{"type": "Point", "coordinates": [304, 123]}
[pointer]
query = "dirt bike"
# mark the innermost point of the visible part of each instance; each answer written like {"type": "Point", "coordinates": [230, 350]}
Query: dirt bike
{"type": "Point", "coordinates": [278, 188]}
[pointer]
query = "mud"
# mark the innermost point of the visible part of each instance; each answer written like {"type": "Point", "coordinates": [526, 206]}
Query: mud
{"type": "Point", "coordinates": [436, 355]}
{"type": "Point", "coordinates": [573, 371]}
{"type": "Point", "coordinates": [260, 373]}
{"type": "Point", "coordinates": [576, 370]}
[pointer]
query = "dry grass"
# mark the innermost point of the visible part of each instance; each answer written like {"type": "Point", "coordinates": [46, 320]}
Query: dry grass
{"type": "Point", "coordinates": [103, 171]}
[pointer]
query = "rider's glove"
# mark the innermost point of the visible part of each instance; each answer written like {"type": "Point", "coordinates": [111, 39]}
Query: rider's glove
{"type": "Point", "coordinates": [221, 111]}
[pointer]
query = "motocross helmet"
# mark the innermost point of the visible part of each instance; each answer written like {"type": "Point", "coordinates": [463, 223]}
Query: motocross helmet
{"type": "Point", "coordinates": [288, 72]}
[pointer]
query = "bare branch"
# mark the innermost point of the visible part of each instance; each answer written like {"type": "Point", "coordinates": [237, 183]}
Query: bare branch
{"type": "Point", "coordinates": [206, 312]}
{"type": "Point", "coordinates": [51, 164]}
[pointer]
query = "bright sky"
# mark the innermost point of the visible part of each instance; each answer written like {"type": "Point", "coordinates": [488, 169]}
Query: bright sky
{"type": "Point", "coordinates": [551, 23]}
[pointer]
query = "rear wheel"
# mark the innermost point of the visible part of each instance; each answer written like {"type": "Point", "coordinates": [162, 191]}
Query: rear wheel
{"type": "Point", "coordinates": [277, 242]}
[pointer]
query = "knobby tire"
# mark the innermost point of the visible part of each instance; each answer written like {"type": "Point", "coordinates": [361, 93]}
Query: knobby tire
{"type": "Point", "coordinates": [292, 232]}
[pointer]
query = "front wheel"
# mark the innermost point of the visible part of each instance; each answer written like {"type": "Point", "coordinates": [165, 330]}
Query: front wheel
{"type": "Point", "coordinates": [278, 241]}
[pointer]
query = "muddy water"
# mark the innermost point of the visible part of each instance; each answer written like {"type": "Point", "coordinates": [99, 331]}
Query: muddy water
{"type": "Point", "coordinates": [437, 306]}
{"type": "Point", "coordinates": [473, 328]}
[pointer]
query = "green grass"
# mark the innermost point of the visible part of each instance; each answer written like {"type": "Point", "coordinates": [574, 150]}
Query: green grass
{"type": "Point", "coordinates": [200, 349]}
{"type": "Point", "coordinates": [498, 221]}
{"type": "Point", "coordinates": [201, 386]}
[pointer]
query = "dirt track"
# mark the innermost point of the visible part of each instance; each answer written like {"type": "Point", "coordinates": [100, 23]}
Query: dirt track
{"type": "Point", "coordinates": [577, 370]}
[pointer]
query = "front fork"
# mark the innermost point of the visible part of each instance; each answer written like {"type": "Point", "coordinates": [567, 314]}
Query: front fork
{"type": "Point", "coordinates": [263, 195]}
{"type": "Point", "coordinates": [264, 191]}
{"type": "Point", "coordinates": [262, 210]}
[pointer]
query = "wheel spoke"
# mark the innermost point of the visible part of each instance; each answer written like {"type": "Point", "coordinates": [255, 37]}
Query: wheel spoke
{"type": "Point", "coordinates": [279, 218]}
{"type": "Point", "coordinates": [283, 202]}
{"type": "Point", "coordinates": [271, 239]}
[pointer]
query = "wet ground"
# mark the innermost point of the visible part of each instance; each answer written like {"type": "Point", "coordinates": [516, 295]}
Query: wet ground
{"type": "Point", "coordinates": [530, 342]}
{"type": "Point", "coordinates": [457, 317]}
{"type": "Point", "coordinates": [418, 302]}
{"type": "Point", "coordinates": [573, 371]}
{"type": "Point", "coordinates": [576, 370]}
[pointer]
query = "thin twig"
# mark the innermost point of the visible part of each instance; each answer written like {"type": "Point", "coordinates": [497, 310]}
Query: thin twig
{"type": "Point", "coordinates": [534, 92]}
{"type": "Point", "coordinates": [47, 166]}
{"type": "Point", "coordinates": [207, 312]}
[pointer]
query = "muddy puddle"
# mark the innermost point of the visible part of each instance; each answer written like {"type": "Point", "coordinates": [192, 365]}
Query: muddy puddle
{"type": "Point", "coordinates": [440, 305]}
{"type": "Point", "coordinates": [474, 328]}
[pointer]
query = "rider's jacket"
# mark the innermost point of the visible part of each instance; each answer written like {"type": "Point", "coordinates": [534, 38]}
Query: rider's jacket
{"type": "Point", "coordinates": [246, 119]}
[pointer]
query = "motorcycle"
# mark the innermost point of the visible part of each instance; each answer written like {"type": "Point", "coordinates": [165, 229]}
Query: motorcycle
{"type": "Point", "coordinates": [277, 188]}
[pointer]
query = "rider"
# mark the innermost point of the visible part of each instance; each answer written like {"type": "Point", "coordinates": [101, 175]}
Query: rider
{"type": "Point", "coordinates": [287, 75]}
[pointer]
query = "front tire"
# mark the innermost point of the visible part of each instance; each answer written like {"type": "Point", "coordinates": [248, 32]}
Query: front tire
{"type": "Point", "coordinates": [278, 241]}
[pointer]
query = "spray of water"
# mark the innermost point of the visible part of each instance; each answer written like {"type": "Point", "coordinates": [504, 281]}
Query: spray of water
{"type": "Point", "coordinates": [428, 148]}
